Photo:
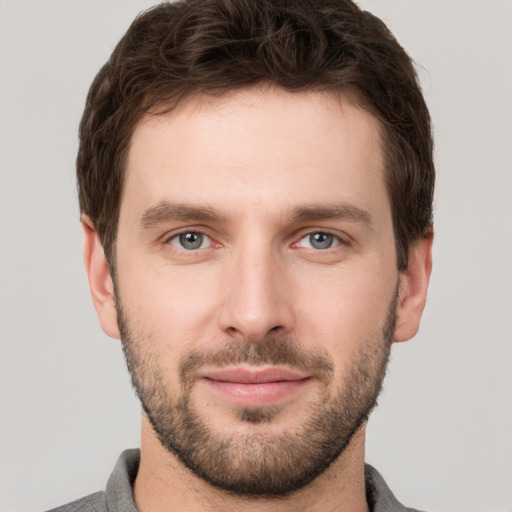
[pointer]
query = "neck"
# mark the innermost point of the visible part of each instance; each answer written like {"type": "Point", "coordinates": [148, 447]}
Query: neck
{"type": "Point", "coordinates": [163, 481]}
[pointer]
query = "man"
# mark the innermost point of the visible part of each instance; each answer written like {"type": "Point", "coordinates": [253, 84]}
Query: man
{"type": "Point", "coordinates": [256, 185]}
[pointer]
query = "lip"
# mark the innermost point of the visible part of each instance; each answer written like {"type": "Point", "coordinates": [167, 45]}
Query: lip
{"type": "Point", "coordinates": [253, 376]}
{"type": "Point", "coordinates": [255, 388]}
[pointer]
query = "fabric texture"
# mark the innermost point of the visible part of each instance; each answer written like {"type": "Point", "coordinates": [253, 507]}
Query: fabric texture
{"type": "Point", "coordinates": [118, 495]}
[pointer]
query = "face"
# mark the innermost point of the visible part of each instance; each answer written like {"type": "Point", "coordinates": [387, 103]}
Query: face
{"type": "Point", "coordinates": [256, 282]}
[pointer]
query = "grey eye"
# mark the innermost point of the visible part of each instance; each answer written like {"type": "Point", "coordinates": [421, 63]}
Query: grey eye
{"type": "Point", "coordinates": [319, 241]}
{"type": "Point", "coordinates": [190, 241]}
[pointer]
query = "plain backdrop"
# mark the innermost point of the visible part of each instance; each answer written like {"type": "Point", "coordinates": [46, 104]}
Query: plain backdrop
{"type": "Point", "coordinates": [442, 435]}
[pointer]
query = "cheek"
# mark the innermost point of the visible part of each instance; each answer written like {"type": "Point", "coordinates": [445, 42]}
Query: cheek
{"type": "Point", "coordinates": [166, 317]}
{"type": "Point", "coordinates": [343, 310]}
{"type": "Point", "coordinates": [170, 304]}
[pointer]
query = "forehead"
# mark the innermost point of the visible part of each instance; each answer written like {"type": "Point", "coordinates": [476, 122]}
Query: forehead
{"type": "Point", "coordinates": [253, 147]}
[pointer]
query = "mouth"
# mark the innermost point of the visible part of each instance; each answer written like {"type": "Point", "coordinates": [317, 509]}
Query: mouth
{"type": "Point", "coordinates": [255, 387]}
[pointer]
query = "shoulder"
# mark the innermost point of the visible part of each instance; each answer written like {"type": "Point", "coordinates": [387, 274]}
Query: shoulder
{"type": "Point", "coordinates": [96, 502]}
{"type": "Point", "coordinates": [118, 495]}
{"type": "Point", "coordinates": [379, 495]}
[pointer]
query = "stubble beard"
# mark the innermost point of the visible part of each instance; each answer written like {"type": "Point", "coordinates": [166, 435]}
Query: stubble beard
{"type": "Point", "coordinates": [259, 463]}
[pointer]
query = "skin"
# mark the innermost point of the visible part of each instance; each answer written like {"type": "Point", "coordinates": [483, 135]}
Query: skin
{"type": "Point", "coordinates": [255, 158]}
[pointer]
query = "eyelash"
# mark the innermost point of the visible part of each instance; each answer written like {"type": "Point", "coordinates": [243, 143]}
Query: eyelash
{"type": "Point", "coordinates": [176, 236]}
{"type": "Point", "coordinates": [336, 240]}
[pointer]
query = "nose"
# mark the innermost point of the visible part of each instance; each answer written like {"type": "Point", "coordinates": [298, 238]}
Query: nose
{"type": "Point", "coordinates": [257, 296]}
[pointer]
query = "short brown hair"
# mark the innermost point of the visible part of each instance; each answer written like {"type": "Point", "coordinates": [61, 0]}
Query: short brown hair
{"type": "Point", "coordinates": [214, 46]}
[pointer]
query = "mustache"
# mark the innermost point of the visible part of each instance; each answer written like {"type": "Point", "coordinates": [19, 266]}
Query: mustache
{"type": "Point", "coordinates": [272, 351]}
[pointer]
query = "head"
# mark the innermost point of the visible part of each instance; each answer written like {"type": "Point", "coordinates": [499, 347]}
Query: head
{"type": "Point", "coordinates": [256, 183]}
{"type": "Point", "coordinates": [213, 47]}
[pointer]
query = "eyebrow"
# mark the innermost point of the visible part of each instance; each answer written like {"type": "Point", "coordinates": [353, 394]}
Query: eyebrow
{"type": "Point", "coordinates": [165, 212]}
{"type": "Point", "coordinates": [338, 211]}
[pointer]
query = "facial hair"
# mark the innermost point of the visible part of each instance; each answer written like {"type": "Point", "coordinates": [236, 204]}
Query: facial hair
{"type": "Point", "coordinates": [259, 463]}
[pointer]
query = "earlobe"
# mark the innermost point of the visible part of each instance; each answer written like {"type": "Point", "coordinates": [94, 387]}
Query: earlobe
{"type": "Point", "coordinates": [413, 289]}
{"type": "Point", "coordinates": [100, 280]}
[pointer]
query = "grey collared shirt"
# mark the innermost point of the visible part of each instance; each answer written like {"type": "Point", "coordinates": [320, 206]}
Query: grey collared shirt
{"type": "Point", "coordinates": [118, 495]}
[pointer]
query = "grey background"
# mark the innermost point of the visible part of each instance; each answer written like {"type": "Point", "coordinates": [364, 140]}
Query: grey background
{"type": "Point", "coordinates": [442, 435]}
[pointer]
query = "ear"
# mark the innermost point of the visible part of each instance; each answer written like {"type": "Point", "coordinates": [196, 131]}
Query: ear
{"type": "Point", "coordinates": [413, 289]}
{"type": "Point", "coordinates": [100, 280]}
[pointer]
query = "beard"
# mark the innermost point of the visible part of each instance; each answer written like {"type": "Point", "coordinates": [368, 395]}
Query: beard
{"type": "Point", "coordinates": [259, 462]}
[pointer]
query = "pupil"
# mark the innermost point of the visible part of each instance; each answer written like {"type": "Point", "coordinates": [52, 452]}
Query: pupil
{"type": "Point", "coordinates": [321, 240]}
{"type": "Point", "coordinates": [191, 240]}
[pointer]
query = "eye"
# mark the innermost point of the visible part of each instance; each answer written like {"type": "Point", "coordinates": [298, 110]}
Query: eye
{"type": "Point", "coordinates": [319, 241]}
{"type": "Point", "coordinates": [190, 240]}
